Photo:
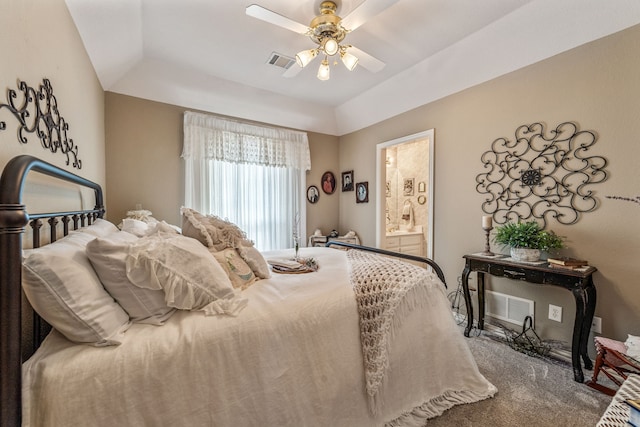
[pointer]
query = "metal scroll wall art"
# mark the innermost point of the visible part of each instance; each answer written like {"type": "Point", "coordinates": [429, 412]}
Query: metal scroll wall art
{"type": "Point", "coordinates": [541, 175]}
{"type": "Point", "coordinates": [37, 113]}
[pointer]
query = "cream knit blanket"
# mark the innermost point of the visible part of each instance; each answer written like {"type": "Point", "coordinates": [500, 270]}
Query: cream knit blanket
{"type": "Point", "coordinates": [386, 290]}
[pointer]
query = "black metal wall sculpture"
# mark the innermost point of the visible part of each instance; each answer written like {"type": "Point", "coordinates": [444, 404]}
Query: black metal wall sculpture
{"type": "Point", "coordinates": [37, 112]}
{"type": "Point", "coordinates": [541, 175]}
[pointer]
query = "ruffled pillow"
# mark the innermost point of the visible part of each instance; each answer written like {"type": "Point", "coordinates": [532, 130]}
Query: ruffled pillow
{"type": "Point", "coordinates": [218, 234]}
{"type": "Point", "coordinates": [211, 231]}
{"type": "Point", "coordinates": [185, 270]}
{"type": "Point", "coordinates": [108, 256]}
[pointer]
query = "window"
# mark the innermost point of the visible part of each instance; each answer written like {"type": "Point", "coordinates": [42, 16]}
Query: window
{"type": "Point", "coordinates": [251, 175]}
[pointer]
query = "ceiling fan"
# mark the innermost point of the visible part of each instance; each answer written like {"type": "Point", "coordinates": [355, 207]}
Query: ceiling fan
{"type": "Point", "coordinates": [328, 30]}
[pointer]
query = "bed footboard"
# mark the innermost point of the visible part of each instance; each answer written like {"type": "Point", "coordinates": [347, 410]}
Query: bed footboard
{"type": "Point", "coordinates": [431, 263]}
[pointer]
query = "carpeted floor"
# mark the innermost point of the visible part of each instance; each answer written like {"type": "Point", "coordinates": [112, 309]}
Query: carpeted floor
{"type": "Point", "coordinates": [531, 392]}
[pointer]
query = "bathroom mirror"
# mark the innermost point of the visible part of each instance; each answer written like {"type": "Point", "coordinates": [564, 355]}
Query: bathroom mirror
{"type": "Point", "coordinates": [404, 216]}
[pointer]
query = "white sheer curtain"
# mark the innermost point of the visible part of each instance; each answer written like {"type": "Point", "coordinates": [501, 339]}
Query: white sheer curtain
{"type": "Point", "coordinates": [252, 175]}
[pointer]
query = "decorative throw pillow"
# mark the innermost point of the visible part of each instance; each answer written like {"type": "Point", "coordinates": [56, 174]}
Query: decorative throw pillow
{"type": "Point", "coordinates": [255, 260]}
{"type": "Point", "coordinates": [238, 271]}
{"type": "Point", "coordinates": [218, 234]}
{"type": "Point", "coordinates": [108, 256]}
{"type": "Point", "coordinates": [185, 270]}
{"type": "Point", "coordinates": [64, 290]}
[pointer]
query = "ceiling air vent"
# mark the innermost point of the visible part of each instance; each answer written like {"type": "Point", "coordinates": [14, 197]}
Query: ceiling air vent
{"type": "Point", "coordinates": [280, 60]}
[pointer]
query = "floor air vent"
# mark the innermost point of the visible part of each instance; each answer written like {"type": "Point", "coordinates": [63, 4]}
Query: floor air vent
{"type": "Point", "coordinates": [280, 60]}
{"type": "Point", "coordinates": [509, 308]}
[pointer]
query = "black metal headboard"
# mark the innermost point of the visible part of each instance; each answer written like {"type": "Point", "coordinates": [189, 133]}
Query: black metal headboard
{"type": "Point", "coordinates": [14, 218]}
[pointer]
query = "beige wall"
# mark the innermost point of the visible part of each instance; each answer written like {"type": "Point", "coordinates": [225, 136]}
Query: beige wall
{"type": "Point", "coordinates": [595, 85]}
{"type": "Point", "coordinates": [144, 143]}
{"type": "Point", "coordinates": [39, 40]}
{"type": "Point", "coordinates": [324, 157]}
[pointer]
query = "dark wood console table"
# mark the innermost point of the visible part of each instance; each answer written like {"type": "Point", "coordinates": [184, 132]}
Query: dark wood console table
{"type": "Point", "coordinates": [579, 282]}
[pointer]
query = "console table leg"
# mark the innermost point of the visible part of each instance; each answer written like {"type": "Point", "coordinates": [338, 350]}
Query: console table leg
{"type": "Point", "coordinates": [590, 309]}
{"type": "Point", "coordinates": [580, 296]}
{"type": "Point", "coordinates": [480, 300]}
{"type": "Point", "coordinates": [467, 300]}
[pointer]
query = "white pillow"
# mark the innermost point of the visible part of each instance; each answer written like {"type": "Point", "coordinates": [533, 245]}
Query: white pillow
{"type": "Point", "coordinates": [108, 257]}
{"type": "Point", "coordinates": [140, 228]}
{"type": "Point", "coordinates": [64, 290]}
{"type": "Point", "coordinates": [99, 228]}
{"type": "Point", "coordinates": [189, 275]}
{"type": "Point", "coordinates": [137, 227]}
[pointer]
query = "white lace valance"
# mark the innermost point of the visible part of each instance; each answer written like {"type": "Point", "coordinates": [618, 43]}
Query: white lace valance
{"type": "Point", "coordinates": [215, 138]}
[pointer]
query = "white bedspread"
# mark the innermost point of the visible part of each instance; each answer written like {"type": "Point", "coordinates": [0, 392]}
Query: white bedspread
{"type": "Point", "coordinates": [291, 358]}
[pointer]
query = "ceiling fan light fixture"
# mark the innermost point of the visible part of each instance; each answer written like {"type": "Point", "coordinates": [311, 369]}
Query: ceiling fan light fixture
{"type": "Point", "coordinates": [324, 72]}
{"type": "Point", "coordinates": [304, 57]}
{"type": "Point", "coordinates": [328, 31]}
{"type": "Point", "coordinates": [330, 46]}
{"type": "Point", "coordinates": [350, 61]}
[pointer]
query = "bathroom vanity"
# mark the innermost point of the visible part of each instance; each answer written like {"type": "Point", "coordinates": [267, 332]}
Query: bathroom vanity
{"type": "Point", "coordinates": [406, 242]}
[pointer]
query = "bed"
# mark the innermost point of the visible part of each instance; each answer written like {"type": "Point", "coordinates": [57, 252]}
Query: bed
{"type": "Point", "coordinates": [364, 340]}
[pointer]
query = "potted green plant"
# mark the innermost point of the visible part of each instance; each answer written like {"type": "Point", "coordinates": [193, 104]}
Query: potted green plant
{"type": "Point", "coordinates": [527, 240]}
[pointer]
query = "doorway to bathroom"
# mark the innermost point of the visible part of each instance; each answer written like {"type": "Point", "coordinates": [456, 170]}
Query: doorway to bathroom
{"type": "Point", "coordinates": [404, 206]}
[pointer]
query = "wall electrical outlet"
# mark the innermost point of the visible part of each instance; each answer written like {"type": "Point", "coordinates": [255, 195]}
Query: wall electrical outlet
{"type": "Point", "coordinates": [596, 325]}
{"type": "Point", "coordinates": [555, 313]}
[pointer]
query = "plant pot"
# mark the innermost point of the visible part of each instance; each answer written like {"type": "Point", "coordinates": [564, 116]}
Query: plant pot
{"type": "Point", "coordinates": [525, 254]}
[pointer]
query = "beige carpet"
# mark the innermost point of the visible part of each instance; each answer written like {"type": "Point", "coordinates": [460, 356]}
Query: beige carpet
{"type": "Point", "coordinates": [532, 392]}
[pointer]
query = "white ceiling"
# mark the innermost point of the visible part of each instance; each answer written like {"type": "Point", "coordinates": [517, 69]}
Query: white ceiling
{"type": "Point", "coordinates": [209, 55]}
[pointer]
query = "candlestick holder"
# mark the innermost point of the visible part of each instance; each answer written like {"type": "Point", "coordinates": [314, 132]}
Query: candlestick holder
{"type": "Point", "coordinates": [487, 247]}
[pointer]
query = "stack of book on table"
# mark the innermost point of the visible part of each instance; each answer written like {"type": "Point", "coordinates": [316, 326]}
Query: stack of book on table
{"type": "Point", "coordinates": [567, 263]}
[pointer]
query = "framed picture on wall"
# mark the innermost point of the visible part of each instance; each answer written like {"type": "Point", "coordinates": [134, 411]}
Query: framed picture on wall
{"type": "Point", "coordinates": [422, 187]}
{"type": "Point", "coordinates": [328, 182]}
{"type": "Point", "coordinates": [347, 181]}
{"type": "Point", "coordinates": [362, 192]}
{"type": "Point", "coordinates": [313, 194]}
{"type": "Point", "coordinates": [408, 186]}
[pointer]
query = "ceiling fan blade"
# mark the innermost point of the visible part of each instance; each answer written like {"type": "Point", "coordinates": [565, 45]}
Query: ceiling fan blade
{"type": "Point", "coordinates": [367, 61]}
{"type": "Point", "coordinates": [266, 15]}
{"type": "Point", "coordinates": [365, 11]}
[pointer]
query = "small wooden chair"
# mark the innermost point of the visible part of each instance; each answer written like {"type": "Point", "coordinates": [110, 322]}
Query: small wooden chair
{"type": "Point", "coordinates": [612, 361]}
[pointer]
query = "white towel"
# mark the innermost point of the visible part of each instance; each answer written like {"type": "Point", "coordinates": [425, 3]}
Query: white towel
{"type": "Point", "coordinates": [407, 214]}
